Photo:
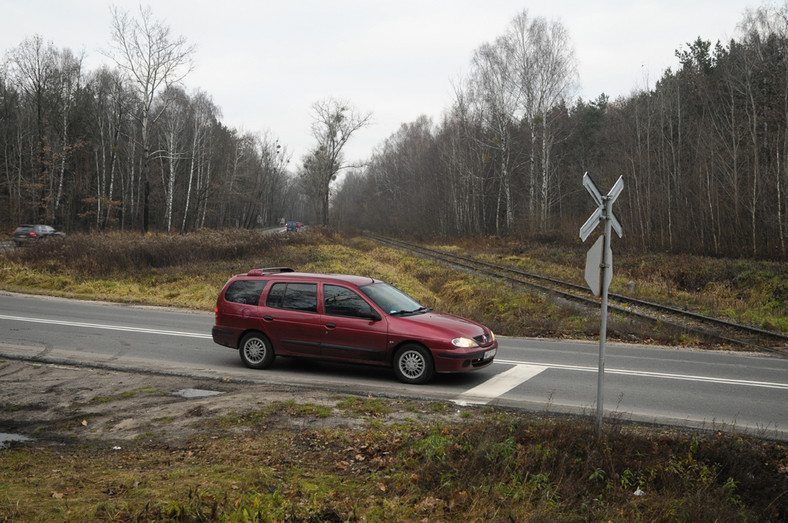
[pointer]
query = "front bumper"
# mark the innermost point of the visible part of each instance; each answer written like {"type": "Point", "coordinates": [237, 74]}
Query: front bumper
{"type": "Point", "coordinates": [465, 360]}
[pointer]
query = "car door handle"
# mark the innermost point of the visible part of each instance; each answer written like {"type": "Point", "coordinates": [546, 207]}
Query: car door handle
{"type": "Point", "coordinates": [268, 318]}
{"type": "Point", "coordinates": [330, 326]}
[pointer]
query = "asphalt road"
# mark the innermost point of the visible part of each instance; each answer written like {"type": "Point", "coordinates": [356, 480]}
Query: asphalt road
{"type": "Point", "coordinates": [698, 389]}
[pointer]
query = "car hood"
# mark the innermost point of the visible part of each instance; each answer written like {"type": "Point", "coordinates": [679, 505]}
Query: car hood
{"type": "Point", "coordinates": [436, 324]}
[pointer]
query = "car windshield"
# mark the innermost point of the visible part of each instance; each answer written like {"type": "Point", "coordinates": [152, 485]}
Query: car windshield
{"type": "Point", "coordinates": [391, 299]}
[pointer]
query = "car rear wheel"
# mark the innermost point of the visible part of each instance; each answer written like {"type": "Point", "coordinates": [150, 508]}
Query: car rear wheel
{"type": "Point", "coordinates": [256, 351]}
{"type": "Point", "coordinates": [413, 364]}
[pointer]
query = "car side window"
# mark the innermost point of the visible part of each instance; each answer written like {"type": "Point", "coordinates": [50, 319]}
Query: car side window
{"type": "Point", "coordinates": [293, 296]}
{"type": "Point", "coordinates": [245, 291]}
{"type": "Point", "coordinates": [341, 301]}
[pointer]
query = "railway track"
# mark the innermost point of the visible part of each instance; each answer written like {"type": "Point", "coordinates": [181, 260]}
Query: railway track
{"type": "Point", "coordinates": [706, 326]}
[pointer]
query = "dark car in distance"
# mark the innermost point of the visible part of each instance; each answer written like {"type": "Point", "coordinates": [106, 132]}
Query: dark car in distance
{"type": "Point", "coordinates": [353, 319]}
{"type": "Point", "coordinates": [27, 233]}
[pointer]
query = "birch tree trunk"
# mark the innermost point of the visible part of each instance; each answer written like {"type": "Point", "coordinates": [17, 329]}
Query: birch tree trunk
{"type": "Point", "coordinates": [151, 59]}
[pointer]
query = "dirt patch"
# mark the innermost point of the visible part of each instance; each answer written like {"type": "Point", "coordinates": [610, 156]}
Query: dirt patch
{"type": "Point", "coordinates": [56, 404]}
{"type": "Point", "coordinates": [108, 445]}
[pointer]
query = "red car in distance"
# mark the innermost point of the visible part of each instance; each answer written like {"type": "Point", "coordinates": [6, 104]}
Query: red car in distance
{"type": "Point", "coordinates": [354, 319]}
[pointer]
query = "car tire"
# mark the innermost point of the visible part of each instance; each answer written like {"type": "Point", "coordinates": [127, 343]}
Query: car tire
{"type": "Point", "coordinates": [256, 351]}
{"type": "Point", "coordinates": [413, 365]}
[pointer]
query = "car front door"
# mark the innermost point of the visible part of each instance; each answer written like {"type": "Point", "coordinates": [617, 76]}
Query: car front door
{"type": "Point", "coordinates": [353, 330]}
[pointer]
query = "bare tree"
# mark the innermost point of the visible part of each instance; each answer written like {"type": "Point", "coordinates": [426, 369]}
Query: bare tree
{"type": "Point", "coordinates": [204, 116]}
{"type": "Point", "coordinates": [544, 74]}
{"type": "Point", "coordinates": [68, 83]}
{"type": "Point", "coordinates": [109, 121]}
{"type": "Point", "coordinates": [760, 26]}
{"type": "Point", "coordinates": [174, 118]}
{"type": "Point", "coordinates": [33, 66]}
{"type": "Point", "coordinates": [333, 125]}
{"type": "Point", "coordinates": [151, 59]}
{"type": "Point", "coordinates": [517, 82]}
{"type": "Point", "coordinates": [496, 105]}
{"type": "Point", "coordinates": [50, 80]}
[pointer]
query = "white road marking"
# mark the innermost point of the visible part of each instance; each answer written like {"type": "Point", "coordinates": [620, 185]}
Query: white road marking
{"type": "Point", "coordinates": [662, 375]}
{"type": "Point", "coordinates": [499, 384]}
{"type": "Point", "coordinates": [490, 389]}
{"type": "Point", "coordinates": [108, 327]}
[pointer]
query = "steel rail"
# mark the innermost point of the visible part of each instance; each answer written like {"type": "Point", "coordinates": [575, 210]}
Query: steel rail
{"type": "Point", "coordinates": [582, 294]}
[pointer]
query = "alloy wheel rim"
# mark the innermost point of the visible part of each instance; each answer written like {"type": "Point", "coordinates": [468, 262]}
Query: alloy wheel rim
{"type": "Point", "coordinates": [255, 351]}
{"type": "Point", "coordinates": [412, 364]}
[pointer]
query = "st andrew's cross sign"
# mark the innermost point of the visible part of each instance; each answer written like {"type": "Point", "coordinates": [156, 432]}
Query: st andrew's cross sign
{"type": "Point", "coordinates": [599, 267]}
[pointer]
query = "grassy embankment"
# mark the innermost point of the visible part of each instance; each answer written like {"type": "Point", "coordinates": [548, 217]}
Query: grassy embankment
{"type": "Point", "coordinates": [188, 271]}
{"type": "Point", "coordinates": [480, 465]}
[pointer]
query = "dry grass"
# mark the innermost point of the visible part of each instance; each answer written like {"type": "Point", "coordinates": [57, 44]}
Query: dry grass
{"type": "Point", "coordinates": [489, 466]}
{"type": "Point", "coordinates": [188, 271]}
{"type": "Point", "coordinates": [747, 291]}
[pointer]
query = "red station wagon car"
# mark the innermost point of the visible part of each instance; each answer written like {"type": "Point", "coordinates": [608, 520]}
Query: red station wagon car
{"type": "Point", "coordinates": [353, 319]}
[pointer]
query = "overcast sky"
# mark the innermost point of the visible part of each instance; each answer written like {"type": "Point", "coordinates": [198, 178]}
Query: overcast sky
{"type": "Point", "coordinates": [265, 62]}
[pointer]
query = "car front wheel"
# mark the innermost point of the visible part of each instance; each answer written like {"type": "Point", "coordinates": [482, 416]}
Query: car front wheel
{"type": "Point", "coordinates": [256, 351]}
{"type": "Point", "coordinates": [413, 364]}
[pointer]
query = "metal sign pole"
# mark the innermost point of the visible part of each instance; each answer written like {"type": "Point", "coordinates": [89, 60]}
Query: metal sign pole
{"type": "Point", "coordinates": [603, 213]}
{"type": "Point", "coordinates": [606, 262]}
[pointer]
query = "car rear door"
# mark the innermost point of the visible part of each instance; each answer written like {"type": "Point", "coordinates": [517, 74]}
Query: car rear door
{"type": "Point", "coordinates": [353, 329]}
{"type": "Point", "coordinates": [291, 319]}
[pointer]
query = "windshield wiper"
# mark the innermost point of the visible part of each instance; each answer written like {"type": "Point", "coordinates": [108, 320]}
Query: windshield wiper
{"type": "Point", "coordinates": [414, 311]}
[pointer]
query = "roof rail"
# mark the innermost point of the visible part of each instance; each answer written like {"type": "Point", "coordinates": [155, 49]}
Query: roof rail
{"type": "Point", "coordinates": [266, 270]}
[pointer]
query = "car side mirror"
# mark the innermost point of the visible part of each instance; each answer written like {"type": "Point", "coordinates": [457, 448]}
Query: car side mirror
{"type": "Point", "coordinates": [371, 314]}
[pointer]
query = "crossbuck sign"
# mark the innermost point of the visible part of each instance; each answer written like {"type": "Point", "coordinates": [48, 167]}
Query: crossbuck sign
{"type": "Point", "coordinates": [599, 267]}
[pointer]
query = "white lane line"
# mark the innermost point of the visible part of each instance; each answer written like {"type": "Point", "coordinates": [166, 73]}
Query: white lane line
{"type": "Point", "coordinates": [499, 384]}
{"type": "Point", "coordinates": [521, 368]}
{"type": "Point", "coordinates": [661, 375]}
{"type": "Point", "coordinates": [107, 327]}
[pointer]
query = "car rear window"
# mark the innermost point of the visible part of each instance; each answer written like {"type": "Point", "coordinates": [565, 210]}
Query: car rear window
{"type": "Point", "coordinates": [293, 296]}
{"type": "Point", "coordinates": [245, 291]}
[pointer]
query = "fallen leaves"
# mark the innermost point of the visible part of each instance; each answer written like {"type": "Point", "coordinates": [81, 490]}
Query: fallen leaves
{"type": "Point", "coordinates": [430, 504]}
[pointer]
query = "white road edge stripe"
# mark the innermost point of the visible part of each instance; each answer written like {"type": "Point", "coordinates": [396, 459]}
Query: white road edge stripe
{"type": "Point", "coordinates": [108, 327]}
{"type": "Point", "coordinates": [502, 383]}
{"type": "Point", "coordinates": [647, 374]}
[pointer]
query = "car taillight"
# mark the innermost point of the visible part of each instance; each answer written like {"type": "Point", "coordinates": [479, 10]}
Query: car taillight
{"type": "Point", "coordinates": [32, 235]}
{"type": "Point", "coordinates": [216, 313]}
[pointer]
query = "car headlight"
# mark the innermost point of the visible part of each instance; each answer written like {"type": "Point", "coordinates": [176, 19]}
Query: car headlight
{"type": "Point", "coordinates": [464, 343]}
